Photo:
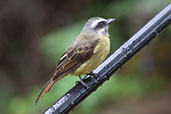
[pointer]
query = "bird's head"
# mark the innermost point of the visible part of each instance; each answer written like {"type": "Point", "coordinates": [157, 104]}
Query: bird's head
{"type": "Point", "coordinates": [97, 25]}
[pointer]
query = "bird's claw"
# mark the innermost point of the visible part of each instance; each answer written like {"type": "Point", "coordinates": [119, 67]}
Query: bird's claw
{"type": "Point", "coordinates": [92, 74]}
{"type": "Point", "coordinates": [83, 83]}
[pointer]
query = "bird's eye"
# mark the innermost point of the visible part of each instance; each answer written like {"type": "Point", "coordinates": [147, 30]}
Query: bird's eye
{"type": "Point", "coordinates": [101, 24]}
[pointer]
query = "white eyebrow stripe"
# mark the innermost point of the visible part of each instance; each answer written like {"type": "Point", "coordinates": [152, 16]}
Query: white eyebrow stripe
{"type": "Point", "coordinates": [93, 25]}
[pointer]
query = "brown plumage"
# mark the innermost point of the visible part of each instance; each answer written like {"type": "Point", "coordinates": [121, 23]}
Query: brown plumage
{"type": "Point", "coordinates": [69, 61]}
{"type": "Point", "coordinates": [85, 53]}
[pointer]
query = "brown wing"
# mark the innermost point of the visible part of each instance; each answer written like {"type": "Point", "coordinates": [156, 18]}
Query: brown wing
{"type": "Point", "coordinates": [73, 59]}
{"type": "Point", "coordinates": [69, 61]}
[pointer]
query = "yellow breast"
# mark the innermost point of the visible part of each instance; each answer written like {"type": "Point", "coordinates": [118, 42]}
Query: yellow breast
{"type": "Point", "coordinates": [100, 53]}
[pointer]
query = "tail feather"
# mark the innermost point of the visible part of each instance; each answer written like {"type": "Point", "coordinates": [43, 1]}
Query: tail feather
{"type": "Point", "coordinates": [47, 87]}
{"type": "Point", "coordinates": [50, 84]}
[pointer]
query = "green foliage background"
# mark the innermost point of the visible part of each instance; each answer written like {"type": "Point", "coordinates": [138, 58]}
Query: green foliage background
{"type": "Point", "coordinates": [135, 81]}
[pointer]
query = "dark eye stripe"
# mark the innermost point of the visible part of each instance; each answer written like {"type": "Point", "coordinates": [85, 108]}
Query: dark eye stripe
{"type": "Point", "coordinates": [101, 24]}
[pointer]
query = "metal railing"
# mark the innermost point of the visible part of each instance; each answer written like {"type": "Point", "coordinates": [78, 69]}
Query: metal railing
{"type": "Point", "coordinates": [104, 71]}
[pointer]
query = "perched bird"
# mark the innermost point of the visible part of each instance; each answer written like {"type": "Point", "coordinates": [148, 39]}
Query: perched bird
{"type": "Point", "coordinates": [85, 53]}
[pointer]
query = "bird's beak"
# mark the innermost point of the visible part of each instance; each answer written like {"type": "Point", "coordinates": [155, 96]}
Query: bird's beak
{"type": "Point", "coordinates": [110, 21]}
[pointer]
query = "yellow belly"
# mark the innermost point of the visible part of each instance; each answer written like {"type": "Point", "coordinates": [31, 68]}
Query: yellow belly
{"type": "Point", "coordinates": [100, 53]}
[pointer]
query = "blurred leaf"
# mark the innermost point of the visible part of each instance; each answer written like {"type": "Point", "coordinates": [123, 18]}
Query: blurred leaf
{"type": "Point", "coordinates": [55, 43]}
{"type": "Point", "coordinates": [18, 106]}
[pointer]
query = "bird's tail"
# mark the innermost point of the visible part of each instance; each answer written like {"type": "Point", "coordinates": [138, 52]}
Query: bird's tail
{"type": "Point", "coordinates": [47, 87]}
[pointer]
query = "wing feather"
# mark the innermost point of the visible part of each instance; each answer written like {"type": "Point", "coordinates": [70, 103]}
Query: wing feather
{"type": "Point", "coordinates": [69, 61]}
{"type": "Point", "coordinates": [74, 58]}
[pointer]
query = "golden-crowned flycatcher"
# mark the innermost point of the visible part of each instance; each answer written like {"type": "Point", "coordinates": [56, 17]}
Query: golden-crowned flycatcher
{"type": "Point", "coordinates": [85, 53]}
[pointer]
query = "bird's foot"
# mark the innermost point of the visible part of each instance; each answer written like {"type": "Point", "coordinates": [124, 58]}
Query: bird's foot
{"type": "Point", "coordinates": [92, 74]}
{"type": "Point", "coordinates": [83, 83]}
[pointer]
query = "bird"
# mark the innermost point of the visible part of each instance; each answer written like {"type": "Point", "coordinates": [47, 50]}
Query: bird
{"type": "Point", "coordinates": [84, 54]}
